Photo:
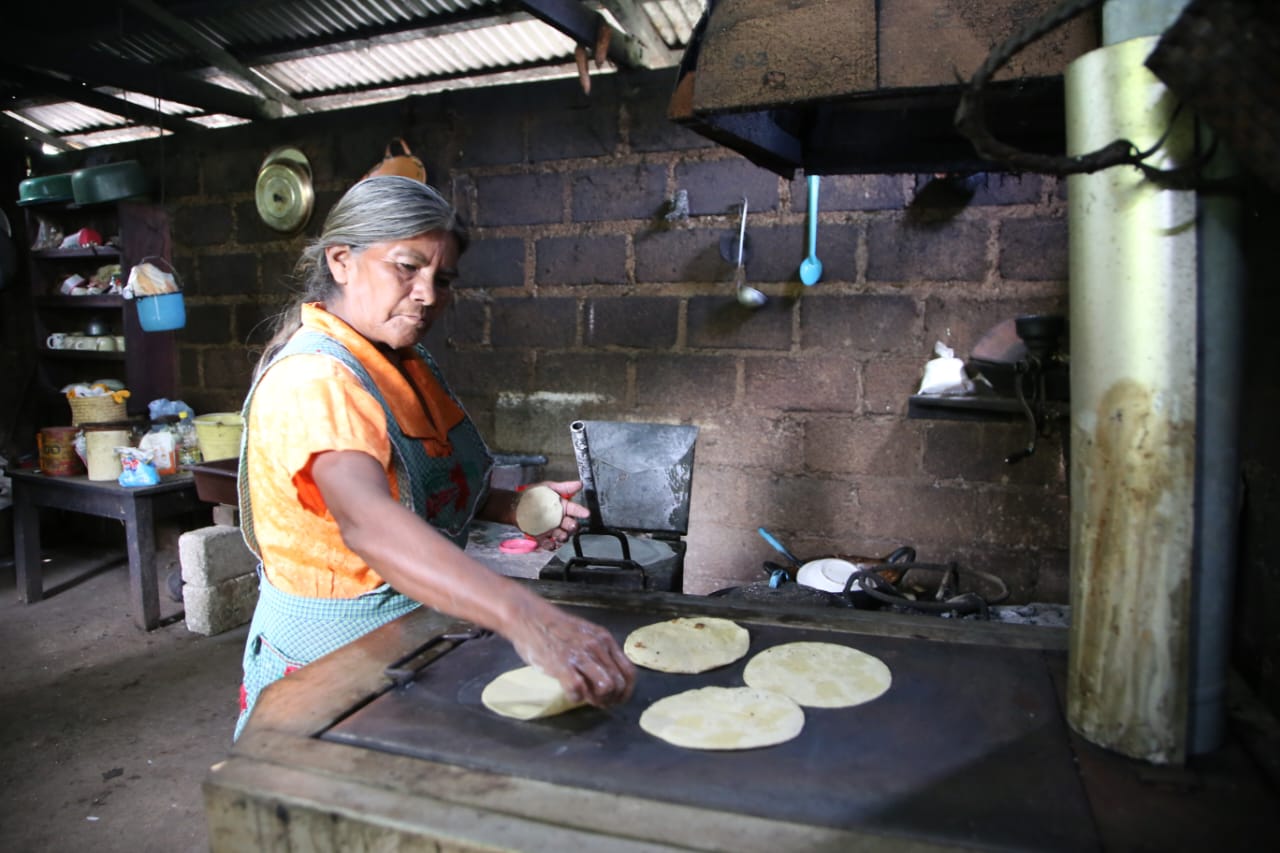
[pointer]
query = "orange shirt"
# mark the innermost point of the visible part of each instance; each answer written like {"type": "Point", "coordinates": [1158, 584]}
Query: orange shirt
{"type": "Point", "coordinates": [308, 404]}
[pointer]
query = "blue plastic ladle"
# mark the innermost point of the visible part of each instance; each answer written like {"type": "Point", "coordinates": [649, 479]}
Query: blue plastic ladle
{"type": "Point", "coordinates": [811, 267]}
{"type": "Point", "coordinates": [779, 547]}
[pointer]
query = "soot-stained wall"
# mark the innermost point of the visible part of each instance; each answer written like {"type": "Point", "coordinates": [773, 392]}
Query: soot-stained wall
{"type": "Point", "coordinates": [581, 298]}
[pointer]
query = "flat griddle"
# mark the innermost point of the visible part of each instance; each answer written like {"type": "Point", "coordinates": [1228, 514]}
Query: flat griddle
{"type": "Point", "coordinates": [967, 746]}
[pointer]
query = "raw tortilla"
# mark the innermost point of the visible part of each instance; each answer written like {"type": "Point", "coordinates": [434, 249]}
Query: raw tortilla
{"type": "Point", "coordinates": [538, 510]}
{"type": "Point", "coordinates": [819, 675]}
{"type": "Point", "coordinates": [687, 644]}
{"type": "Point", "coordinates": [724, 718]}
{"type": "Point", "coordinates": [526, 694]}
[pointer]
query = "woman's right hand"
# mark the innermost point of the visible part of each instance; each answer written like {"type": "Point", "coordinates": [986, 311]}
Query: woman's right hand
{"type": "Point", "coordinates": [581, 655]}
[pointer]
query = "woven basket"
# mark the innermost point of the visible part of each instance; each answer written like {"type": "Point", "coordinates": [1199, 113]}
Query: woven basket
{"type": "Point", "coordinates": [95, 410]}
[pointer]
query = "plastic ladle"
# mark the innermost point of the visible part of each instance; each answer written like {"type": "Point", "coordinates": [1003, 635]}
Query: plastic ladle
{"type": "Point", "coordinates": [779, 547]}
{"type": "Point", "coordinates": [747, 295]}
{"type": "Point", "coordinates": [811, 267]}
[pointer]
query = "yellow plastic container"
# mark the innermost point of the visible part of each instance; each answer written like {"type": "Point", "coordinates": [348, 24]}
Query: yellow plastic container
{"type": "Point", "coordinates": [219, 434]}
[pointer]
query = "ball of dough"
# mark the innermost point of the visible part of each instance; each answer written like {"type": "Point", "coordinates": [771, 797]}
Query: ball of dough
{"type": "Point", "coordinates": [538, 510]}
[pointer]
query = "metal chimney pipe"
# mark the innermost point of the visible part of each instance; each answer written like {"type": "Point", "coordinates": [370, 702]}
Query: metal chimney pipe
{"type": "Point", "coordinates": [1216, 318]}
{"type": "Point", "coordinates": [1132, 296]}
{"type": "Point", "coordinates": [582, 454]}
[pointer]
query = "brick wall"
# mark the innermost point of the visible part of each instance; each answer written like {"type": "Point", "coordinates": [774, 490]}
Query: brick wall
{"type": "Point", "coordinates": [580, 299]}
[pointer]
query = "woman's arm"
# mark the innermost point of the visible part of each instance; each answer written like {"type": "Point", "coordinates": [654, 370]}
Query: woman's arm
{"type": "Point", "coordinates": [420, 562]}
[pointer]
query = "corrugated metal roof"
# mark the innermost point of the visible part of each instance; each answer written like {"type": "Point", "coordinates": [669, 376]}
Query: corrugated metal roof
{"type": "Point", "coordinates": [324, 54]}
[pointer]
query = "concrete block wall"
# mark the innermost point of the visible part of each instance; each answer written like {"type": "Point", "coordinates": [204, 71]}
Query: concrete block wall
{"type": "Point", "coordinates": [580, 298]}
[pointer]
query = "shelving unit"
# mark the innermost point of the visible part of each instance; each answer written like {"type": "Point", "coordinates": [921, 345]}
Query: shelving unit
{"type": "Point", "coordinates": [147, 365]}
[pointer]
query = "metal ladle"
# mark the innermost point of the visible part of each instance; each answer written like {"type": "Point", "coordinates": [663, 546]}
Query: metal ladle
{"type": "Point", "coordinates": [748, 296]}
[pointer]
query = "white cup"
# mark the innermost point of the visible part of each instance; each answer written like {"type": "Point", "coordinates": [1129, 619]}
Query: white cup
{"type": "Point", "coordinates": [104, 343]}
{"type": "Point", "coordinates": [119, 339]}
{"type": "Point", "coordinates": [58, 340]}
{"type": "Point", "coordinates": [83, 342]}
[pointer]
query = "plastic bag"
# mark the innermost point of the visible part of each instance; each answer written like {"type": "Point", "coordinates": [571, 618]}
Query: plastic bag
{"type": "Point", "coordinates": [136, 468]}
{"type": "Point", "coordinates": [944, 376]}
{"type": "Point", "coordinates": [161, 407]}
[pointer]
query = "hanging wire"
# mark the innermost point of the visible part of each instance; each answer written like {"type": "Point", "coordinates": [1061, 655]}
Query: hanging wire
{"type": "Point", "coordinates": [971, 121]}
{"type": "Point", "coordinates": [160, 143]}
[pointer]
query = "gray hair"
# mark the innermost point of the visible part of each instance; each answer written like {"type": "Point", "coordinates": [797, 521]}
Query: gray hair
{"type": "Point", "coordinates": [375, 210]}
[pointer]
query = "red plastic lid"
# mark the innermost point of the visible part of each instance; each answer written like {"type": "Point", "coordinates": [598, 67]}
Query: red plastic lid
{"type": "Point", "coordinates": [518, 545]}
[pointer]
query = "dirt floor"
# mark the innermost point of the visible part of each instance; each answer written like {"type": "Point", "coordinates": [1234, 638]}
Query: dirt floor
{"type": "Point", "coordinates": [107, 731]}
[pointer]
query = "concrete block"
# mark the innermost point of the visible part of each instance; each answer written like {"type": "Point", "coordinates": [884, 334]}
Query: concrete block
{"type": "Point", "coordinates": [213, 554]}
{"type": "Point", "coordinates": [862, 322]}
{"type": "Point", "coordinates": [718, 322]}
{"type": "Point", "coordinates": [638, 321]}
{"type": "Point", "coordinates": [204, 224]}
{"type": "Point", "coordinates": [682, 255]}
{"type": "Point", "coordinates": [1034, 249]}
{"type": "Point", "coordinates": [716, 187]}
{"type": "Point", "coordinates": [529, 323]}
{"type": "Point", "coordinates": [227, 274]}
{"type": "Point", "coordinates": [492, 262]}
{"type": "Point", "coordinates": [627, 192]}
{"type": "Point", "coordinates": [582, 260]}
{"type": "Point", "coordinates": [539, 422]}
{"type": "Point", "coordinates": [220, 584]}
{"type": "Point", "coordinates": [519, 200]}
{"type": "Point", "coordinates": [226, 515]}
{"type": "Point", "coordinates": [950, 251]}
{"type": "Point", "coordinates": [850, 192]}
{"type": "Point", "coordinates": [225, 605]}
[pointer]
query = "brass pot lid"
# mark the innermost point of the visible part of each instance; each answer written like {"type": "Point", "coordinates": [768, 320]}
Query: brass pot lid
{"type": "Point", "coordinates": [284, 194]}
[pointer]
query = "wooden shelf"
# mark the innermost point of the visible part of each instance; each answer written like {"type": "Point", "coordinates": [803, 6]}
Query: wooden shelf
{"type": "Point", "coordinates": [975, 408]}
{"type": "Point", "coordinates": [102, 300]}
{"type": "Point", "coordinates": [83, 354]}
{"type": "Point", "coordinates": [105, 252]}
{"type": "Point", "coordinates": [148, 364]}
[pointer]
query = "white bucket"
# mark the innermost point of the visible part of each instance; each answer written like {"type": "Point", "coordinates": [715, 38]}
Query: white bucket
{"type": "Point", "coordinates": [100, 452]}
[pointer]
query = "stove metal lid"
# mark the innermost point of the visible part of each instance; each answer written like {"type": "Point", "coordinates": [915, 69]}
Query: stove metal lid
{"type": "Point", "coordinates": [643, 474]}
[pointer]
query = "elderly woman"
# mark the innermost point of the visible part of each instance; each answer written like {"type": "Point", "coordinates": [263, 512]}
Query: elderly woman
{"type": "Point", "coordinates": [361, 473]}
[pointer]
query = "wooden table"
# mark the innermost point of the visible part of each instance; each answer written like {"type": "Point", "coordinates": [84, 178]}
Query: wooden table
{"type": "Point", "coordinates": [137, 506]}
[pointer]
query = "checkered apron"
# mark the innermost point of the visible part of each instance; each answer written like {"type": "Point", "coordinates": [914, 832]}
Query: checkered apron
{"type": "Point", "coordinates": [289, 631]}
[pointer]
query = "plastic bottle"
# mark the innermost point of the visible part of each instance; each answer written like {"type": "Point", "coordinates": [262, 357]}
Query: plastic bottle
{"type": "Point", "coordinates": [188, 442]}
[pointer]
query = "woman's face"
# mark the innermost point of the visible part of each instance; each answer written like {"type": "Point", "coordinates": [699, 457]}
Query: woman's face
{"type": "Point", "coordinates": [392, 292]}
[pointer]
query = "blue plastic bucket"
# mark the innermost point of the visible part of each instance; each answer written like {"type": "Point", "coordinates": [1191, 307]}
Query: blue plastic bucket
{"type": "Point", "coordinates": [161, 313]}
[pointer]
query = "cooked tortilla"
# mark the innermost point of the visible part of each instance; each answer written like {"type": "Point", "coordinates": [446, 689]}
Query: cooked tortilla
{"type": "Point", "coordinates": [819, 675]}
{"type": "Point", "coordinates": [538, 510]}
{"type": "Point", "coordinates": [526, 694]}
{"type": "Point", "coordinates": [688, 644]}
{"type": "Point", "coordinates": [724, 718]}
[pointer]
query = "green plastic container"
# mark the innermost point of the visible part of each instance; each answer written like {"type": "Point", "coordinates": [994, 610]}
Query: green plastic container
{"type": "Point", "coordinates": [111, 182]}
{"type": "Point", "coordinates": [47, 188]}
